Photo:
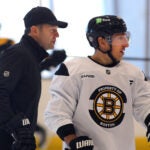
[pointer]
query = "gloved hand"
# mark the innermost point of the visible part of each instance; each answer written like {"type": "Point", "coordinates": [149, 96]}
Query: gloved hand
{"type": "Point", "coordinates": [82, 143]}
{"type": "Point", "coordinates": [57, 57]}
{"type": "Point", "coordinates": [147, 123]}
{"type": "Point", "coordinates": [24, 140]}
{"type": "Point", "coordinates": [20, 129]}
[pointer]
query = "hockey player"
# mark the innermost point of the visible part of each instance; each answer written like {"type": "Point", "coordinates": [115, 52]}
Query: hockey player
{"type": "Point", "coordinates": [95, 98]}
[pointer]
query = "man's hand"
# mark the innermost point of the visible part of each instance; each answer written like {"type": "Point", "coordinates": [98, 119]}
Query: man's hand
{"type": "Point", "coordinates": [20, 129]}
{"type": "Point", "coordinates": [56, 58]}
{"type": "Point", "coordinates": [23, 139]}
{"type": "Point", "coordinates": [81, 143]}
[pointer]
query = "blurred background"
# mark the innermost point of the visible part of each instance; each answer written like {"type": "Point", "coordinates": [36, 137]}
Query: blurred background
{"type": "Point", "coordinates": [73, 40]}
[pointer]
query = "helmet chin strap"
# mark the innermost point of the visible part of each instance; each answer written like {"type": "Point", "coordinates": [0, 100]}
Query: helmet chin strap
{"type": "Point", "coordinates": [109, 53]}
{"type": "Point", "coordinates": [114, 61]}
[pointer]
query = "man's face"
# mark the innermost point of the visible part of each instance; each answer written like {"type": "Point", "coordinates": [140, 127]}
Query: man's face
{"type": "Point", "coordinates": [119, 42]}
{"type": "Point", "coordinates": [46, 36]}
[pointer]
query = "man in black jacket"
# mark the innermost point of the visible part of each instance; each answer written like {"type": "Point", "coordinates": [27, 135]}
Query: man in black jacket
{"type": "Point", "coordinates": [20, 79]}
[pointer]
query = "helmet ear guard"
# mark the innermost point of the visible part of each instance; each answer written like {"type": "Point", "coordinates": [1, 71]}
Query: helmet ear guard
{"type": "Point", "coordinates": [92, 38]}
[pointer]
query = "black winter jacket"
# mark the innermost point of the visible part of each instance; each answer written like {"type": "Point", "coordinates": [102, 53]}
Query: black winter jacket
{"type": "Point", "coordinates": [20, 80]}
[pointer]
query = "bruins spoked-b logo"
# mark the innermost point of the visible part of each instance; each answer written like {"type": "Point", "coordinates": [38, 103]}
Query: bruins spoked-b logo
{"type": "Point", "coordinates": [107, 106]}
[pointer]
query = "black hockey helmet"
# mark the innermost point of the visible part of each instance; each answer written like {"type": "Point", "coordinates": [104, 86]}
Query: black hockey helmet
{"type": "Point", "coordinates": [104, 26]}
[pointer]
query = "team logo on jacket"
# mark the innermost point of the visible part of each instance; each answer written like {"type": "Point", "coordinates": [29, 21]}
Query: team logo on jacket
{"type": "Point", "coordinates": [107, 106]}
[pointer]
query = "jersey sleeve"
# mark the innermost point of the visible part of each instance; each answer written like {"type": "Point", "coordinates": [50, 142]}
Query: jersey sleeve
{"type": "Point", "coordinates": [141, 98]}
{"type": "Point", "coordinates": [61, 106]}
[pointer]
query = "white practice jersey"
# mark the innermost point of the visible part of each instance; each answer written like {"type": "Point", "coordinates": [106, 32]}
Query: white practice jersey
{"type": "Point", "coordinates": [100, 102]}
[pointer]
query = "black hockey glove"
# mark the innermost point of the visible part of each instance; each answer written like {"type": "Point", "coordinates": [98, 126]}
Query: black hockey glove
{"type": "Point", "coordinates": [57, 57]}
{"type": "Point", "coordinates": [81, 143]}
{"type": "Point", "coordinates": [147, 123]}
{"type": "Point", "coordinates": [20, 129]}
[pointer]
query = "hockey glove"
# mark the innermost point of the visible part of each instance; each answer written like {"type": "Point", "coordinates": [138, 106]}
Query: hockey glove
{"type": "Point", "coordinates": [57, 57]}
{"type": "Point", "coordinates": [81, 143]}
{"type": "Point", "coordinates": [20, 129]}
{"type": "Point", "coordinates": [147, 123]}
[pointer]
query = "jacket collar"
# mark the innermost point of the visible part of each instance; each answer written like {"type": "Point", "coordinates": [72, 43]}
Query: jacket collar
{"type": "Point", "coordinates": [34, 47]}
